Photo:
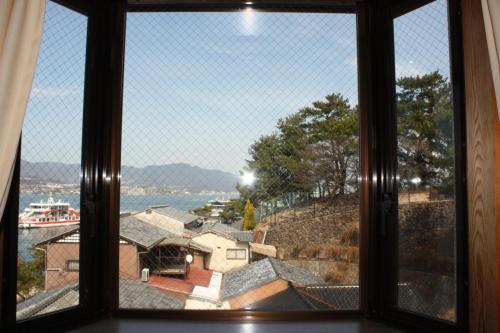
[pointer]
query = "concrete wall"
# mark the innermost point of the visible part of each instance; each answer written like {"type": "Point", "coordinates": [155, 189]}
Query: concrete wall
{"type": "Point", "coordinates": [217, 260]}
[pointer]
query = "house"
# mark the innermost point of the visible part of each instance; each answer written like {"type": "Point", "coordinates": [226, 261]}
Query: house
{"type": "Point", "coordinates": [264, 279]}
{"type": "Point", "coordinates": [231, 249]}
{"type": "Point", "coordinates": [68, 296]}
{"type": "Point", "coordinates": [142, 245]}
{"type": "Point", "coordinates": [171, 219]}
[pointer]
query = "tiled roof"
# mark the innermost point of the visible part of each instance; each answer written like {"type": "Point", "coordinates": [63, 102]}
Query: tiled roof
{"type": "Point", "coordinates": [140, 295]}
{"type": "Point", "coordinates": [141, 232]}
{"type": "Point", "coordinates": [186, 242]}
{"type": "Point", "coordinates": [240, 235]}
{"type": "Point", "coordinates": [176, 214]}
{"type": "Point", "coordinates": [262, 272]}
{"type": "Point", "coordinates": [48, 301]}
{"type": "Point", "coordinates": [330, 297]}
{"type": "Point", "coordinates": [294, 274]}
{"type": "Point", "coordinates": [133, 295]}
{"type": "Point", "coordinates": [52, 234]}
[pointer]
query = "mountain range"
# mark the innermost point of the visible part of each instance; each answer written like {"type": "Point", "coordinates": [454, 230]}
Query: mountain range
{"type": "Point", "coordinates": [177, 175]}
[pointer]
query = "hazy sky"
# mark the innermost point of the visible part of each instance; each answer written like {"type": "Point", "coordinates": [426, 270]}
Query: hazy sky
{"type": "Point", "coordinates": [201, 87]}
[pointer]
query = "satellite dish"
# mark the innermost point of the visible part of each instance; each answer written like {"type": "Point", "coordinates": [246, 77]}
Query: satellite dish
{"type": "Point", "coordinates": [189, 258]}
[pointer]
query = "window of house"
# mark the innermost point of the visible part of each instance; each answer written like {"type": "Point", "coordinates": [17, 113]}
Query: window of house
{"type": "Point", "coordinates": [236, 254]}
{"type": "Point", "coordinates": [73, 265]}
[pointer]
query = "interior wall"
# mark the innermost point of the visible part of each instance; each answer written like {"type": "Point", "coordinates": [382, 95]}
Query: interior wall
{"type": "Point", "coordinates": [496, 129]}
{"type": "Point", "coordinates": [482, 165]}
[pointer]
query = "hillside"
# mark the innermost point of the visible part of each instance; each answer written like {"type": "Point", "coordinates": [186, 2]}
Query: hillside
{"type": "Point", "coordinates": [169, 175]}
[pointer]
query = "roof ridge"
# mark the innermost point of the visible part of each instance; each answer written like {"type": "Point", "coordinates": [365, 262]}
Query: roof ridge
{"type": "Point", "coordinates": [37, 307]}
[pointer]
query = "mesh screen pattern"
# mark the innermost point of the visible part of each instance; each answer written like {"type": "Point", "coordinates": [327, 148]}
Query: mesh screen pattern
{"type": "Point", "coordinates": [49, 216]}
{"type": "Point", "coordinates": [240, 162]}
{"type": "Point", "coordinates": [425, 163]}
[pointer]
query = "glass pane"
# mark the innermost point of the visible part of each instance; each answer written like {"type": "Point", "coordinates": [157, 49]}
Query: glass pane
{"type": "Point", "coordinates": [49, 203]}
{"type": "Point", "coordinates": [239, 185]}
{"type": "Point", "coordinates": [425, 155]}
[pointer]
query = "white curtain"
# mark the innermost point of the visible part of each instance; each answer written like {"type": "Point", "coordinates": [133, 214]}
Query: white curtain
{"type": "Point", "coordinates": [491, 15]}
{"type": "Point", "coordinates": [21, 24]}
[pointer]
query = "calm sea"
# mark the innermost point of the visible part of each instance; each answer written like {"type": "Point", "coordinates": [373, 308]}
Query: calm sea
{"type": "Point", "coordinates": [28, 237]}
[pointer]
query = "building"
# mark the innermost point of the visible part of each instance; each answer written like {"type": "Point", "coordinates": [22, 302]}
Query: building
{"type": "Point", "coordinates": [231, 249]}
{"type": "Point", "coordinates": [68, 296]}
{"type": "Point", "coordinates": [142, 245]}
{"type": "Point", "coordinates": [171, 219]}
{"type": "Point", "coordinates": [264, 279]}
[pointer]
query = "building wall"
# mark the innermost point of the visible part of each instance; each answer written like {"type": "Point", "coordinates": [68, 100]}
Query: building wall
{"type": "Point", "coordinates": [258, 294]}
{"type": "Point", "coordinates": [162, 221]}
{"type": "Point", "coordinates": [129, 266]}
{"type": "Point", "coordinates": [217, 260]}
{"type": "Point", "coordinates": [57, 256]}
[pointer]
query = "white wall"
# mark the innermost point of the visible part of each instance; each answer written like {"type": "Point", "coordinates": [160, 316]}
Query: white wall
{"type": "Point", "coordinates": [217, 260]}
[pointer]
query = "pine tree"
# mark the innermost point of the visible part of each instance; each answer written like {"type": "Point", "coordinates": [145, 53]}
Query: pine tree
{"type": "Point", "coordinates": [249, 218]}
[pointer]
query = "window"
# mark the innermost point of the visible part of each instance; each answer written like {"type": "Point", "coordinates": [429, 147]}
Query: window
{"type": "Point", "coordinates": [50, 166]}
{"type": "Point", "coordinates": [248, 122]}
{"type": "Point", "coordinates": [73, 265]}
{"type": "Point", "coordinates": [426, 164]}
{"type": "Point", "coordinates": [236, 254]}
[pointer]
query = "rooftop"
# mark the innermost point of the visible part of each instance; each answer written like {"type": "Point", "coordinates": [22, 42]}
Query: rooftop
{"type": "Point", "coordinates": [54, 300]}
{"type": "Point", "coordinates": [175, 213]}
{"type": "Point", "coordinates": [262, 272]}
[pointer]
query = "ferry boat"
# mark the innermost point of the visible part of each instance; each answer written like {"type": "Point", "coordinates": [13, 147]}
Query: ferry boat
{"type": "Point", "coordinates": [217, 206]}
{"type": "Point", "coordinates": [48, 214]}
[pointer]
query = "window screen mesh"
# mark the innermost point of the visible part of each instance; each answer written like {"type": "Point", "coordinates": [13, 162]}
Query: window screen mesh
{"type": "Point", "coordinates": [425, 163]}
{"type": "Point", "coordinates": [49, 202]}
{"type": "Point", "coordinates": [240, 162]}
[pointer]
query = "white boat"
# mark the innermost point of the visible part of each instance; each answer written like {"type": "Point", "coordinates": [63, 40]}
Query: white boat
{"type": "Point", "coordinates": [48, 214]}
{"type": "Point", "coordinates": [217, 206]}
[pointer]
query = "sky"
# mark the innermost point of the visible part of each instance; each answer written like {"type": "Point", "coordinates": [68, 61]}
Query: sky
{"type": "Point", "coordinates": [200, 88]}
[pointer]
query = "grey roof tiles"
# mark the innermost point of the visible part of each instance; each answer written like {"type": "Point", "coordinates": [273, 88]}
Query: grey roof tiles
{"type": "Point", "coordinates": [176, 214]}
{"type": "Point", "coordinates": [133, 295]}
{"type": "Point", "coordinates": [262, 272]}
{"type": "Point", "coordinates": [142, 233]}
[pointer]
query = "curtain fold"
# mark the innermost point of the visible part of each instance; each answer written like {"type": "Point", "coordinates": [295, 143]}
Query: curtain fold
{"type": "Point", "coordinates": [491, 15]}
{"type": "Point", "coordinates": [21, 25]}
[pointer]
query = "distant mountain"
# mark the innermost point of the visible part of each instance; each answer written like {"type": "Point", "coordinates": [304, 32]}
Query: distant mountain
{"type": "Point", "coordinates": [170, 175]}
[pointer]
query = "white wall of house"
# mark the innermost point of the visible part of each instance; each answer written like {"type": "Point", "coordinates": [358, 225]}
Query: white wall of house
{"type": "Point", "coordinates": [219, 243]}
{"type": "Point", "coordinates": [162, 221]}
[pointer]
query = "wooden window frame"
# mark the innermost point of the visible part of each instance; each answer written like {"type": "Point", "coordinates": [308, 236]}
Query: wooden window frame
{"type": "Point", "coordinates": [101, 157]}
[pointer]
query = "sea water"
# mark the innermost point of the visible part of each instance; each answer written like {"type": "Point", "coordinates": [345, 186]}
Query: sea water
{"type": "Point", "coordinates": [128, 203]}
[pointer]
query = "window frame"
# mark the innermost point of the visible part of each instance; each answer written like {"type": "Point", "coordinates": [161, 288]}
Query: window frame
{"type": "Point", "coordinates": [388, 188]}
{"type": "Point", "coordinates": [74, 262]}
{"type": "Point", "coordinates": [236, 251]}
{"type": "Point", "coordinates": [100, 182]}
